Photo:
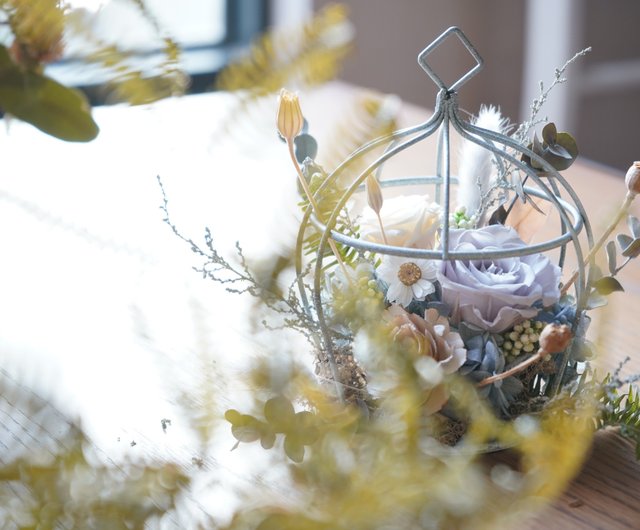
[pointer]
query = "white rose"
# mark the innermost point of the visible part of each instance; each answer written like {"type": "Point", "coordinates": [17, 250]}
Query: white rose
{"type": "Point", "coordinates": [409, 221]}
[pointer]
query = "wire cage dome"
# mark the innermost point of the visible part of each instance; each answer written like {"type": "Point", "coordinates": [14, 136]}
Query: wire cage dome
{"type": "Point", "coordinates": [507, 153]}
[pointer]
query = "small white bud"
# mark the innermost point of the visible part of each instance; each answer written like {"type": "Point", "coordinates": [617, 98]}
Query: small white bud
{"type": "Point", "coordinates": [374, 193]}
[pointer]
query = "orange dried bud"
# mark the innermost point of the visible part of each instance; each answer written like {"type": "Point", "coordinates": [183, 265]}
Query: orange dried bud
{"type": "Point", "coordinates": [632, 178]}
{"type": "Point", "coordinates": [289, 118]}
{"type": "Point", "coordinates": [555, 338]}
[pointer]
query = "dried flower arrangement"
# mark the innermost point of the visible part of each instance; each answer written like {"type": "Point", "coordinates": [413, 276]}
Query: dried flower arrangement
{"type": "Point", "coordinates": [422, 360]}
{"type": "Point", "coordinates": [455, 291]}
{"type": "Point", "coordinates": [437, 332]}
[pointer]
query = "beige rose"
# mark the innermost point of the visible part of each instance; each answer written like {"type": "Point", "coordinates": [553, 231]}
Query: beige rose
{"type": "Point", "coordinates": [431, 337]}
{"type": "Point", "coordinates": [409, 221]}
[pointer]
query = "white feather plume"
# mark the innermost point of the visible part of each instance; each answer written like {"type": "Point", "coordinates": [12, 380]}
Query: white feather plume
{"type": "Point", "coordinates": [476, 168]}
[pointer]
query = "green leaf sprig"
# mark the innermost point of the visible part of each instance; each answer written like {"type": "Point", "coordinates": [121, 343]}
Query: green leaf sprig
{"type": "Point", "coordinates": [557, 148]}
{"type": "Point", "coordinates": [299, 429]}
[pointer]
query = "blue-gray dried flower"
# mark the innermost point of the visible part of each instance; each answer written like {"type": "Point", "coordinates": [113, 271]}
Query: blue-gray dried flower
{"type": "Point", "coordinates": [484, 359]}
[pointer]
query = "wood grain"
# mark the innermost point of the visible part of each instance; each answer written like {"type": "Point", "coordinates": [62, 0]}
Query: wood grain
{"type": "Point", "coordinates": [605, 495]}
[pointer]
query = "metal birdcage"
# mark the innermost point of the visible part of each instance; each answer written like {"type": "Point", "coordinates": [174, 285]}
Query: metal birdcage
{"type": "Point", "coordinates": [550, 186]}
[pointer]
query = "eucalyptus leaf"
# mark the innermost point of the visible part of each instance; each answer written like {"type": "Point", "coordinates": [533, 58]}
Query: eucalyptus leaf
{"type": "Point", "coordinates": [632, 250]}
{"type": "Point", "coordinates": [538, 149]}
{"type": "Point", "coordinates": [306, 146]}
{"type": "Point", "coordinates": [568, 143]}
{"type": "Point", "coordinates": [634, 226]}
{"type": "Point", "coordinates": [596, 300]}
{"type": "Point", "coordinates": [233, 417]}
{"type": "Point", "coordinates": [294, 448]}
{"type": "Point", "coordinates": [607, 285]}
{"type": "Point", "coordinates": [499, 216]}
{"type": "Point", "coordinates": [611, 257]}
{"type": "Point", "coordinates": [558, 150]}
{"type": "Point", "coordinates": [596, 272]}
{"type": "Point", "coordinates": [279, 412]}
{"type": "Point", "coordinates": [549, 133]}
{"type": "Point", "coordinates": [582, 350]}
{"type": "Point", "coordinates": [267, 439]}
{"type": "Point", "coordinates": [53, 108]}
{"type": "Point", "coordinates": [623, 241]}
{"type": "Point", "coordinates": [248, 432]}
{"type": "Point", "coordinates": [306, 427]}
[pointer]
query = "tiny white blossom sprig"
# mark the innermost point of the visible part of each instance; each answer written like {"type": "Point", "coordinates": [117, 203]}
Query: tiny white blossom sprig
{"type": "Point", "coordinates": [408, 279]}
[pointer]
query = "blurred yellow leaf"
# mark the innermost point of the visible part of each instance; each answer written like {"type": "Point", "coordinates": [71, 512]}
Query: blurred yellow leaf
{"type": "Point", "coordinates": [46, 104]}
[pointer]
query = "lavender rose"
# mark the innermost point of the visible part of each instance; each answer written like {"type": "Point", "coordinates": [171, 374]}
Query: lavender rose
{"type": "Point", "coordinates": [495, 294]}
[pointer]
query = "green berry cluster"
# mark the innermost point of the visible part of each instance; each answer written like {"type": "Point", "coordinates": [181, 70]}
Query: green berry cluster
{"type": "Point", "coordinates": [358, 303]}
{"type": "Point", "coordinates": [523, 338]}
{"type": "Point", "coordinates": [460, 219]}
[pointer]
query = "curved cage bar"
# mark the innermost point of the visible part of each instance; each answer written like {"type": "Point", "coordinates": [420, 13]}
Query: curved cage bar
{"type": "Point", "coordinates": [360, 244]}
{"type": "Point", "coordinates": [392, 139]}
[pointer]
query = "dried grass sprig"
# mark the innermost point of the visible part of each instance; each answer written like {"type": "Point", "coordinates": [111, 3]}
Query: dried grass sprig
{"type": "Point", "coordinates": [372, 116]}
{"type": "Point", "coordinates": [239, 279]}
{"type": "Point", "coordinates": [53, 476]}
{"type": "Point", "coordinates": [308, 56]}
{"type": "Point", "coordinates": [476, 163]}
{"type": "Point", "coordinates": [522, 132]}
{"type": "Point", "coordinates": [303, 57]}
{"type": "Point", "coordinates": [125, 80]}
{"type": "Point", "coordinates": [618, 408]}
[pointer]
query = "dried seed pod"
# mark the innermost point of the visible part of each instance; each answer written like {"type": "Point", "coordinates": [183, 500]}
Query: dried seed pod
{"type": "Point", "coordinates": [555, 338]}
{"type": "Point", "coordinates": [632, 178]}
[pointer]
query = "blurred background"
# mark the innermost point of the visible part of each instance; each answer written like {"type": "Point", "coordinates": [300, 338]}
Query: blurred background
{"type": "Point", "coordinates": [521, 41]}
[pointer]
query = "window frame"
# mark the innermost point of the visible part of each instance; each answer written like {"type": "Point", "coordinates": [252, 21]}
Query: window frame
{"type": "Point", "coordinates": [245, 19]}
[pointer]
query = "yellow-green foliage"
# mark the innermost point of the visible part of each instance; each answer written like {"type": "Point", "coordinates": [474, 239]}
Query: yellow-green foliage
{"type": "Point", "coordinates": [327, 199]}
{"type": "Point", "coordinates": [38, 27]}
{"type": "Point", "coordinates": [50, 477]}
{"type": "Point", "coordinates": [355, 471]}
{"type": "Point", "coordinates": [373, 116]}
{"type": "Point", "coordinates": [297, 58]}
{"type": "Point", "coordinates": [36, 24]}
{"type": "Point", "coordinates": [621, 409]}
{"type": "Point", "coordinates": [390, 472]}
{"type": "Point", "coordinates": [125, 80]}
{"type": "Point", "coordinates": [369, 119]}
{"type": "Point", "coordinates": [308, 56]}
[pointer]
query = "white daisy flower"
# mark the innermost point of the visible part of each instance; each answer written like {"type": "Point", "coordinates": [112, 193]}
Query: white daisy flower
{"type": "Point", "coordinates": [408, 279]}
